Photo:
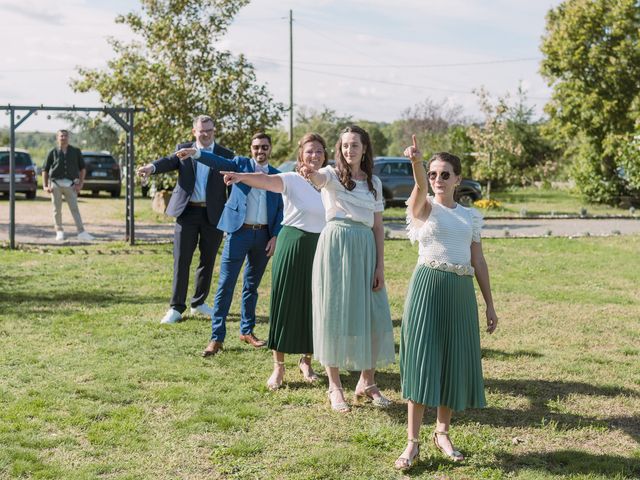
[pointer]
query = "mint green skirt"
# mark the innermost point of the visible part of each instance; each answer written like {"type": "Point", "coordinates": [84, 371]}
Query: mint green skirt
{"type": "Point", "coordinates": [440, 341]}
{"type": "Point", "coordinates": [351, 323]}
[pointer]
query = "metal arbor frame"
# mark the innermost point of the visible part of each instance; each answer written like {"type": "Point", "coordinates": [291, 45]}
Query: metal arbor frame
{"type": "Point", "coordinates": [113, 112]}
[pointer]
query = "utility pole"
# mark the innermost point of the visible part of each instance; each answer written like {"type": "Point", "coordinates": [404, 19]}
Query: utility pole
{"type": "Point", "coordinates": [291, 76]}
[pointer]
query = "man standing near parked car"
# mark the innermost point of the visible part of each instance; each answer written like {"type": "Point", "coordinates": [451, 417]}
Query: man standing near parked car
{"type": "Point", "coordinates": [197, 202]}
{"type": "Point", "coordinates": [63, 175]}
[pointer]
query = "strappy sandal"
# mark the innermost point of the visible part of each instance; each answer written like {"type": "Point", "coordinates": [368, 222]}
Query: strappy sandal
{"type": "Point", "coordinates": [273, 383]}
{"type": "Point", "coordinates": [312, 377]}
{"type": "Point", "coordinates": [454, 455]}
{"type": "Point", "coordinates": [380, 402]}
{"type": "Point", "coordinates": [340, 407]}
{"type": "Point", "coordinates": [405, 463]}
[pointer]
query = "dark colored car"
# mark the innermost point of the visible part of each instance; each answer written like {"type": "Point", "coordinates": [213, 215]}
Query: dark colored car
{"type": "Point", "coordinates": [103, 173]}
{"type": "Point", "coordinates": [397, 182]}
{"type": "Point", "coordinates": [25, 173]}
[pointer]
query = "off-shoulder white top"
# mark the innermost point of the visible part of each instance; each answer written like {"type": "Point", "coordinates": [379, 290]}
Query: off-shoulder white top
{"type": "Point", "coordinates": [358, 204]}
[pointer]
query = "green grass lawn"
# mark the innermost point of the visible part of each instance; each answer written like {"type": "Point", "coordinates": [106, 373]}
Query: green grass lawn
{"type": "Point", "coordinates": [536, 202]}
{"type": "Point", "coordinates": [92, 386]}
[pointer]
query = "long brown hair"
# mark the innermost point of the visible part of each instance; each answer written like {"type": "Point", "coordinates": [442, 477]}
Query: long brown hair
{"type": "Point", "coordinates": [343, 169]}
{"type": "Point", "coordinates": [306, 138]}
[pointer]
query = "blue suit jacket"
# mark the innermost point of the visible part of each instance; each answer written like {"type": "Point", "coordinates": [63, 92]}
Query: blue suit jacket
{"type": "Point", "coordinates": [216, 191]}
{"type": "Point", "coordinates": [235, 210]}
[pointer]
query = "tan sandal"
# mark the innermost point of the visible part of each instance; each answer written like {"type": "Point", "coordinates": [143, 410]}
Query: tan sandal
{"type": "Point", "coordinates": [340, 407]}
{"type": "Point", "coordinates": [405, 463]}
{"type": "Point", "coordinates": [312, 377]}
{"type": "Point", "coordinates": [380, 402]}
{"type": "Point", "coordinates": [273, 383]}
{"type": "Point", "coordinates": [454, 455]}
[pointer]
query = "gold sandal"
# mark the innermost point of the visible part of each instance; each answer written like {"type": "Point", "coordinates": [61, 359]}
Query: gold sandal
{"type": "Point", "coordinates": [405, 463]}
{"type": "Point", "coordinates": [380, 402]}
{"type": "Point", "coordinates": [341, 407]}
{"type": "Point", "coordinates": [274, 384]}
{"type": "Point", "coordinates": [312, 377]}
{"type": "Point", "coordinates": [454, 455]}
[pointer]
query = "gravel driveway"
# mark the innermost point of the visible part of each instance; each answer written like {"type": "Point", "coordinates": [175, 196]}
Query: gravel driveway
{"type": "Point", "coordinates": [104, 218]}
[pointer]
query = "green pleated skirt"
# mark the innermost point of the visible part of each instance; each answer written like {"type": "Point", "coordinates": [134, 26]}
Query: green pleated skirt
{"type": "Point", "coordinates": [440, 360]}
{"type": "Point", "coordinates": [290, 324]}
{"type": "Point", "coordinates": [351, 323]}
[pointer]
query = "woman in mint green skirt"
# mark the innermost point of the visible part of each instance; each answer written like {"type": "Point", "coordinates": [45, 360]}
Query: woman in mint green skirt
{"type": "Point", "coordinates": [440, 341]}
{"type": "Point", "coordinates": [351, 318]}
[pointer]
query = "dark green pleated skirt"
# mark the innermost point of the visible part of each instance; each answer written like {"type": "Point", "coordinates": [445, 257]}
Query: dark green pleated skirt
{"type": "Point", "coordinates": [290, 319]}
{"type": "Point", "coordinates": [440, 341]}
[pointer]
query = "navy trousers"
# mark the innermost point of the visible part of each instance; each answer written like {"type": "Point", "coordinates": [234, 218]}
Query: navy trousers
{"type": "Point", "coordinates": [243, 244]}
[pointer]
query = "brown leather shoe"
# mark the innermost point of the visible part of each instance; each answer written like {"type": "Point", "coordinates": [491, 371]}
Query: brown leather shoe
{"type": "Point", "coordinates": [213, 348]}
{"type": "Point", "coordinates": [252, 340]}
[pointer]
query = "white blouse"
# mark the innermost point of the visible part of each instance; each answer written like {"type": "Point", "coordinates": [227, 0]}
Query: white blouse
{"type": "Point", "coordinates": [358, 204]}
{"type": "Point", "coordinates": [303, 207]}
{"type": "Point", "coordinates": [446, 236]}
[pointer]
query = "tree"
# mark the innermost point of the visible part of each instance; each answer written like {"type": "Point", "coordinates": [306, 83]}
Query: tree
{"type": "Point", "coordinates": [430, 122]}
{"type": "Point", "coordinates": [174, 71]}
{"type": "Point", "coordinates": [494, 145]}
{"type": "Point", "coordinates": [324, 122]}
{"type": "Point", "coordinates": [592, 61]}
{"type": "Point", "coordinates": [95, 133]}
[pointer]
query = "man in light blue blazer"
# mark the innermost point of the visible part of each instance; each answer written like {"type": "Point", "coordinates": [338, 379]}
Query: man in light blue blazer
{"type": "Point", "coordinates": [252, 219]}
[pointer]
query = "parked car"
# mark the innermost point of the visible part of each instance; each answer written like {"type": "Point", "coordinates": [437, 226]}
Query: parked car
{"type": "Point", "coordinates": [287, 166]}
{"type": "Point", "coordinates": [397, 182]}
{"type": "Point", "coordinates": [26, 177]}
{"type": "Point", "coordinates": [103, 173]}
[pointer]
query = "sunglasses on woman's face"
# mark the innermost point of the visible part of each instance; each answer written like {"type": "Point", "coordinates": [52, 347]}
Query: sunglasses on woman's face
{"type": "Point", "coordinates": [443, 175]}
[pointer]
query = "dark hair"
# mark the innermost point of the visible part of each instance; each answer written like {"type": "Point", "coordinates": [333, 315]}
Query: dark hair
{"type": "Point", "coordinates": [450, 159]}
{"type": "Point", "coordinates": [310, 137]}
{"type": "Point", "coordinates": [343, 169]}
{"type": "Point", "coordinates": [62, 130]}
{"type": "Point", "coordinates": [261, 135]}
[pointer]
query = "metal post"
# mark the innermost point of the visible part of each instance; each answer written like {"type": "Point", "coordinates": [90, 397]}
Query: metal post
{"type": "Point", "coordinates": [12, 182]}
{"type": "Point", "coordinates": [290, 76]}
{"type": "Point", "coordinates": [131, 180]}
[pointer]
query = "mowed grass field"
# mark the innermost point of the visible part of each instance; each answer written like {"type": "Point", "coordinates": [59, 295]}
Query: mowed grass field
{"type": "Point", "coordinates": [92, 386]}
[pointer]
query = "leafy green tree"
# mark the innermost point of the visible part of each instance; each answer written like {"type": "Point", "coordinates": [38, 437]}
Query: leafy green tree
{"type": "Point", "coordinates": [174, 71]}
{"type": "Point", "coordinates": [494, 146]}
{"type": "Point", "coordinates": [324, 122]}
{"type": "Point", "coordinates": [95, 133]}
{"type": "Point", "coordinates": [592, 61]}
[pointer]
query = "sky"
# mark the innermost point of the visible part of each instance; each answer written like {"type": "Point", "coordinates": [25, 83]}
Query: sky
{"type": "Point", "coordinates": [368, 59]}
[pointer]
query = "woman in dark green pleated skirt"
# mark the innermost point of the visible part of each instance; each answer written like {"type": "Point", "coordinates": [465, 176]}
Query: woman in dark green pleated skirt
{"type": "Point", "coordinates": [440, 341]}
{"type": "Point", "coordinates": [290, 318]}
{"type": "Point", "coordinates": [290, 328]}
{"type": "Point", "coordinates": [440, 364]}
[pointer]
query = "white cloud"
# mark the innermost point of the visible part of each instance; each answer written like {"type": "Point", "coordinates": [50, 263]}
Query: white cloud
{"type": "Point", "coordinates": [333, 40]}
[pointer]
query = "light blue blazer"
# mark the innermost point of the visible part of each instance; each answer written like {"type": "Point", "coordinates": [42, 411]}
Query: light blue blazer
{"type": "Point", "coordinates": [235, 210]}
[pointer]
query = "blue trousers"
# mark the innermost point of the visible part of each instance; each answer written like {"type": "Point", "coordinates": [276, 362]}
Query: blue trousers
{"type": "Point", "coordinates": [243, 244]}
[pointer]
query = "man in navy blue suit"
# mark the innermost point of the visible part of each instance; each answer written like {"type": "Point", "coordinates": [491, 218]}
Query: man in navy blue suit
{"type": "Point", "coordinates": [252, 219]}
{"type": "Point", "coordinates": [197, 202]}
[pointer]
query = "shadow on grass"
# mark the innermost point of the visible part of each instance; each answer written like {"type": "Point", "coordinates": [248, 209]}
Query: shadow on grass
{"type": "Point", "coordinates": [542, 394]}
{"type": "Point", "coordinates": [68, 301]}
{"type": "Point", "coordinates": [571, 462]}
{"type": "Point", "coordinates": [488, 353]}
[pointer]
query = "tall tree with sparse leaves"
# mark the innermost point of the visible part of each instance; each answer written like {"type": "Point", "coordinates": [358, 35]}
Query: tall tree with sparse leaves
{"type": "Point", "coordinates": [174, 70]}
{"type": "Point", "coordinates": [592, 62]}
{"type": "Point", "coordinates": [494, 144]}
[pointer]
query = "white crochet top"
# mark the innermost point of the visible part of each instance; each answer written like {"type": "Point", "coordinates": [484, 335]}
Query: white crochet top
{"type": "Point", "coordinates": [446, 236]}
{"type": "Point", "coordinates": [358, 204]}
